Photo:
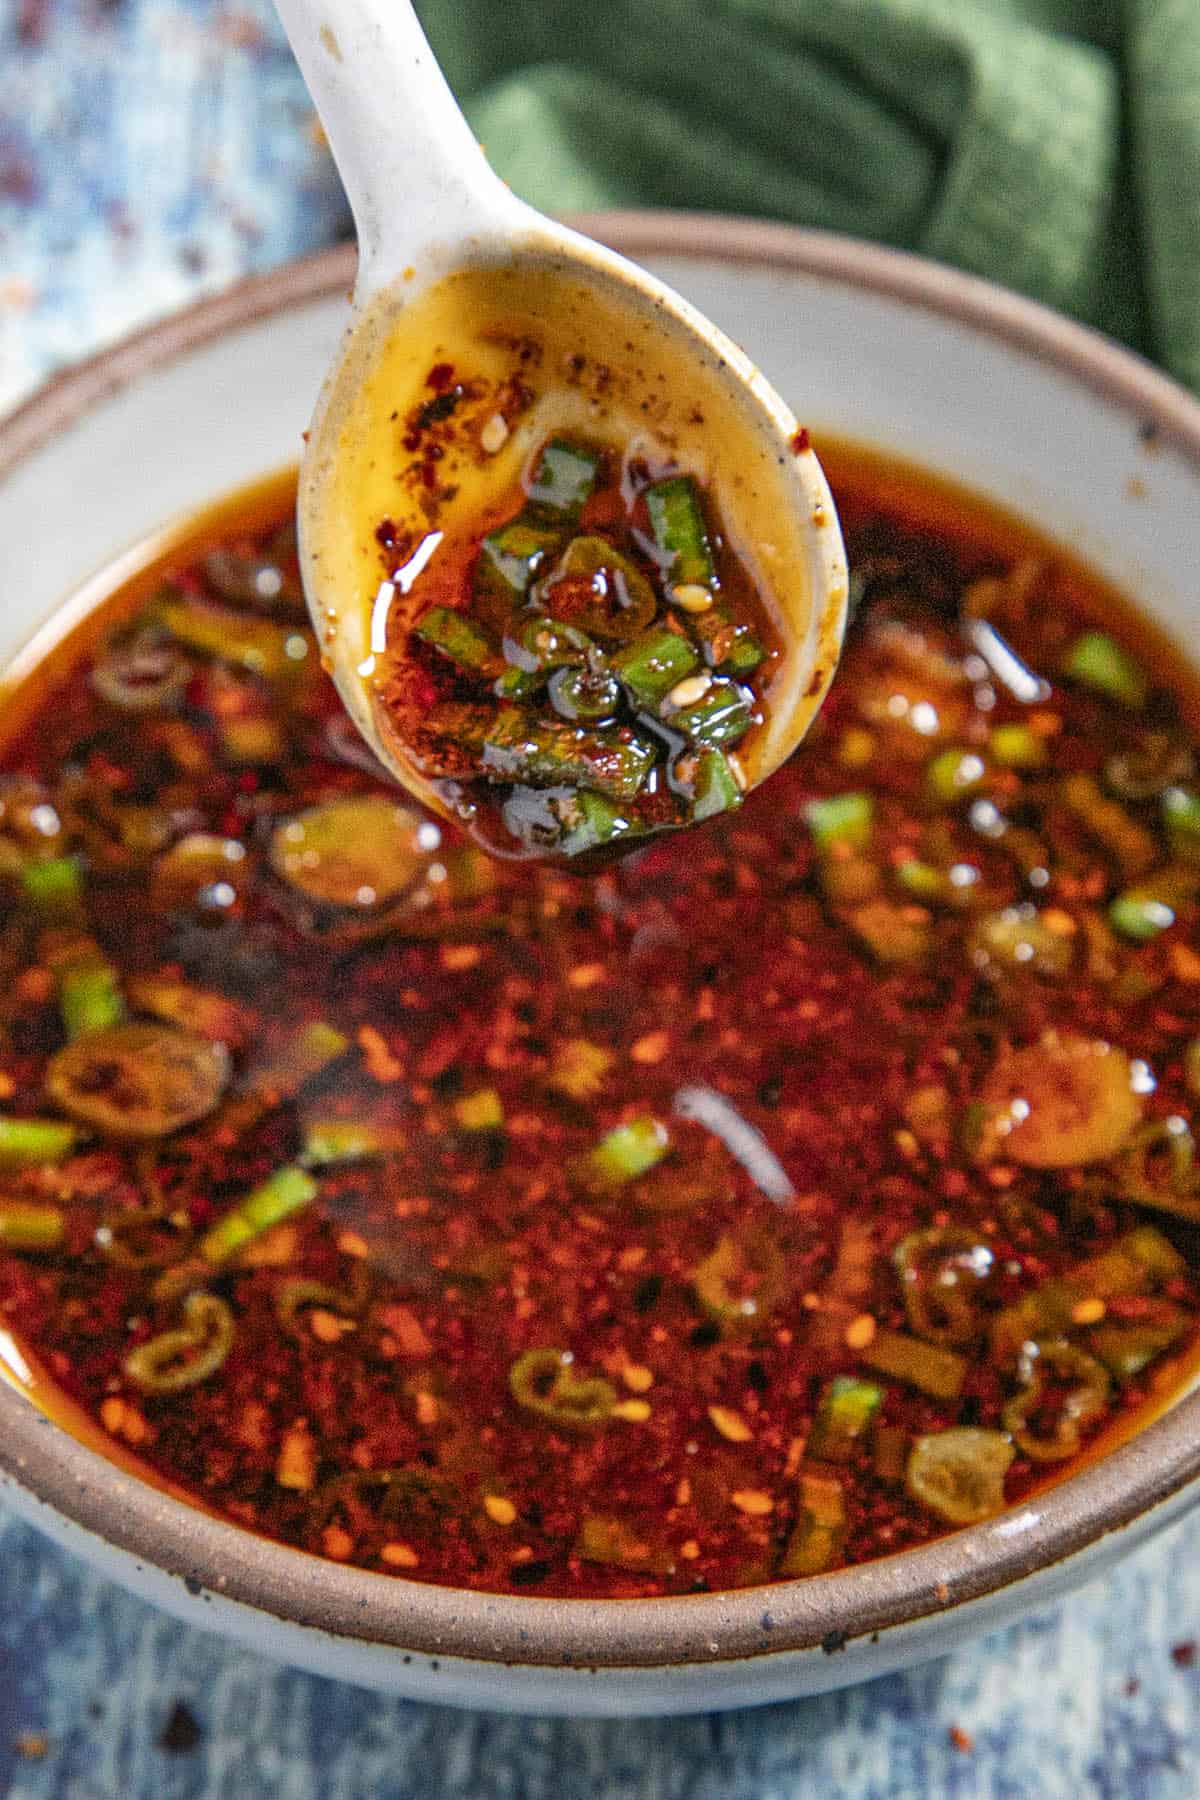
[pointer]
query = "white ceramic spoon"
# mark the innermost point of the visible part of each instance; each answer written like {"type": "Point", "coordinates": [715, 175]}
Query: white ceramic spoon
{"type": "Point", "coordinates": [445, 249]}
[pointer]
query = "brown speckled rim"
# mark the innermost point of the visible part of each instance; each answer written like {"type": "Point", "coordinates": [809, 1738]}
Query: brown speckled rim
{"type": "Point", "coordinates": [1149, 1472]}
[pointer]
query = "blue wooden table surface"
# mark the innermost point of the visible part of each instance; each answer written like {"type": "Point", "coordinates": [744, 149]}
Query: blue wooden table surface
{"type": "Point", "coordinates": [151, 151]}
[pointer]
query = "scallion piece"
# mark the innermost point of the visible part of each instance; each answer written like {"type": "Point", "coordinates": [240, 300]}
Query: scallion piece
{"type": "Point", "coordinates": [593, 820]}
{"type": "Point", "coordinates": [932, 1368]}
{"type": "Point", "coordinates": [517, 746]}
{"type": "Point", "coordinates": [282, 1194]}
{"type": "Point", "coordinates": [306, 1054]}
{"type": "Point", "coordinates": [1017, 747]}
{"type": "Point", "coordinates": [1181, 817]}
{"type": "Point", "coordinates": [27, 1226]}
{"type": "Point", "coordinates": [714, 788]}
{"type": "Point", "coordinates": [677, 521]}
{"type": "Point", "coordinates": [89, 997]}
{"type": "Point", "coordinates": [626, 1152]}
{"type": "Point", "coordinates": [1139, 917]}
{"type": "Point", "coordinates": [53, 887]}
{"type": "Point", "coordinates": [562, 479]}
{"type": "Point", "coordinates": [480, 1111]}
{"type": "Point", "coordinates": [509, 560]}
{"type": "Point", "coordinates": [842, 819]}
{"type": "Point", "coordinates": [721, 717]}
{"type": "Point", "coordinates": [460, 640]}
{"type": "Point", "coordinates": [585, 696]}
{"type": "Point", "coordinates": [35, 1143]}
{"type": "Point", "coordinates": [820, 1529]}
{"type": "Point", "coordinates": [328, 1141]}
{"type": "Point", "coordinates": [845, 1412]}
{"type": "Point", "coordinates": [1099, 662]}
{"type": "Point", "coordinates": [955, 775]}
{"type": "Point", "coordinates": [653, 664]}
{"type": "Point", "coordinates": [265, 648]}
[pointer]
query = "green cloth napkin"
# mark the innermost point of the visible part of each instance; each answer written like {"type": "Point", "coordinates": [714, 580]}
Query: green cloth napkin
{"type": "Point", "coordinates": [1053, 145]}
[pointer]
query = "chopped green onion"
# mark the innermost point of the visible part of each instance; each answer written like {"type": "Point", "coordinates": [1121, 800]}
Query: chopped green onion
{"type": "Point", "coordinates": [591, 821]}
{"type": "Point", "coordinates": [820, 1529]}
{"type": "Point", "coordinates": [1017, 747]}
{"type": "Point", "coordinates": [89, 997]}
{"type": "Point", "coordinates": [34, 1143]}
{"type": "Point", "coordinates": [481, 1111]}
{"type": "Point", "coordinates": [653, 664]}
{"type": "Point", "coordinates": [602, 591]}
{"type": "Point", "coordinates": [1128, 1350]}
{"type": "Point", "coordinates": [509, 560]}
{"type": "Point", "coordinates": [955, 775]}
{"type": "Point", "coordinates": [677, 521]}
{"type": "Point", "coordinates": [538, 645]}
{"type": "Point", "coordinates": [53, 887]}
{"type": "Point", "coordinates": [1191, 1067]}
{"type": "Point", "coordinates": [616, 1545]}
{"type": "Point", "coordinates": [1100, 662]}
{"type": "Point", "coordinates": [562, 480]}
{"type": "Point", "coordinates": [282, 1194]}
{"type": "Point", "coordinates": [1140, 1261]}
{"type": "Point", "coordinates": [544, 1382]}
{"type": "Point", "coordinates": [722, 716]}
{"type": "Point", "coordinates": [932, 1368]}
{"type": "Point", "coordinates": [586, 696]}
{"type": "Point", "coordinates": [1139, 917]}
{"type": "Point", "coordinates": [28, 1227]}
{"type": "Point", "coordinates": [306, 1054]}
{"type": "Point", "coordinates": [841, 819]}
{"type": "Point", "coordinates": [518, 746]}
{"type": "Point", "coordinates": [624, 1153]}
{"type": "Point", "coordinates": [458, 638]}
{"type": "Point", "coordinates": [844, 1415]}
{"type": "Point", "coordinates": [714, 788]}
{"type": "Point", "coordinates": [1181, 817]}
{"type": "Point", "coordinates": [345, 1140]}
{"type": "Point", "coordinates": [265, 648]}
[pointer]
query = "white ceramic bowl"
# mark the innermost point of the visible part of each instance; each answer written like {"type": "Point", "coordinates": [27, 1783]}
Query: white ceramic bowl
{"type": "Point", "coordinates": [946, 371]}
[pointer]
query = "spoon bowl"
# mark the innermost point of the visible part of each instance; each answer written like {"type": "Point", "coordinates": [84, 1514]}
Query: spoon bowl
{"type": "Point", "coordinates": [456, 273]}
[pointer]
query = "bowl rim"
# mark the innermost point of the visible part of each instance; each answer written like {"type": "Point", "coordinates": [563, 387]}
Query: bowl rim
{"type": "Point", "coordinates": [210, 1555]}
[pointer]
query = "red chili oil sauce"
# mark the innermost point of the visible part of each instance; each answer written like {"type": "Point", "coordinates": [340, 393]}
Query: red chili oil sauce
{"type": "Point", "coordinates": [841, 1049]}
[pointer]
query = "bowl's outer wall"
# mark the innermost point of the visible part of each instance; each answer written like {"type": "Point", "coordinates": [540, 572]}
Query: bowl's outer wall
{"type": "Point", "coordinates": [931, 365]}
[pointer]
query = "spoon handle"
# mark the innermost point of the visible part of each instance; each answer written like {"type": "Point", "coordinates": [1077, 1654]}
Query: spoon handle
{"type": "Point", "coordinates": [413, 172]}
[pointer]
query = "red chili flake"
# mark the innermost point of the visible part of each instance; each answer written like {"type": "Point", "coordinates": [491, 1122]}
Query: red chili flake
{"type": "Point", "coordinates": [962, 1740]}
{"type": "Point", "coordinates": [1131, 1686]}
{"type": "Point", "coordinates": [1183, 1654]}
{"type": "Point", "coordinates": [440, 377]}
{"type": "Point", "coordinates": [801, 441]}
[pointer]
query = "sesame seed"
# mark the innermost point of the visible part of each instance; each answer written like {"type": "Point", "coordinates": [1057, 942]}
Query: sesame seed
{"type": "Point", "coordinates": [691, 689]}
{"type": "Point", "coordinates": [1088, 1312]}
{"type": "Point", "coordinates": [336, 1542]}
{"type": "Point", "coordinates": [730, 1424]}
{"type": "Point", "coordinates": [860, 1332]}
{"type": "Point", "coordinates": [400, 1556]}
{"type": "Point", "coordinates": [494, 435]}
{"type": "Point", "coordinates": [689, 1551]}
{"type": "Point", "coordinates": [499, 1510]}
{"type": "Point", "coordinates": [651, 1048]}
{"type": "Point", "coordinates": [637, 1377]}
{"type": "Point", "coordinates": [635, 1412]}
{"type": "Point", "coordinates": [753, 1501]}
{"type": "Point", "coordinates": [692, 597]}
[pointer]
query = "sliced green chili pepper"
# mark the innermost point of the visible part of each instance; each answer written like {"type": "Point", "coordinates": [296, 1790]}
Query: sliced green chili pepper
{"type": "Point", "coordinates": [842, 819]}
{"type": "Point", "coordinates": [820, 1529]}
{"type": "Point", "coordinates": [562, 479]}
{"type": "Point", "coordinates": [653, 664]}
{"type": "Point", "coordinates": [942, 1271]}
{"type": "Point", "coordinates": [1140, 1261]}
{"type": "Point", "coordinates": [741, 1280]}
{"type": "Point", "coordinates": [35, 1143]}
{"type": "Point", "coordinates": [933, 1368]}
{"type": "Point", "coordinates": [959, 1474]}
{"type": "Point", "coordinates": [458, 638]}
{"type": "Point", "coordinates": [1158, 761]}
{"type": "Point", "coordinates": [1128, 1350]}
{"type": "Point", "coordinates": [844, 1415]}
{"type": "Point", "coordinates": [677, 521]}
{"type": "Point", "coordinates": [285, 1192]}
{"type": "Point", "coordinates": [26, 1226]}
{"type": "Point", "coordinates": [623, 1154]}
{"type": "Point", "coordinates": [142, 673]}
{"type": "Point", "coordinates": [1018, 939]}
{"type": "Point", "coordinates": [1159, 1169]}
{"type": "Point", "coordinates": [1181, 817]}
{"type": "Point", "coordinates": [586, 696]}
{"type": "Point", "coordinates": [188, 1355]}
{"type": "Point", "coordinates": [1055, 1360]}
{"type": "Point", "coordinates": [1100, 662]}
{"type": "Point", "coordinates": [306, 1054]}
{"type": "Point", "coordinates": [139, 1080]}
{"type": "Point", "coordinates": [889, 1453]}
{"type": "Point", "coordinates": [544, 1382]}
{"type": "Point", "coordinates": [590, 820]}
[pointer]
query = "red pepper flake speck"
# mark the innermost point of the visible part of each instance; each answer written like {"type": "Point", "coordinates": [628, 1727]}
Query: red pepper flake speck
{"type": "Point", "coordinates": [962, 1740]}
{"type": "Point", "coordinates": [440, 377]}
{"type": "Point", "coordinates": [801, 441]}
{"type": "Point", "coordinates": [1183, 1654]}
